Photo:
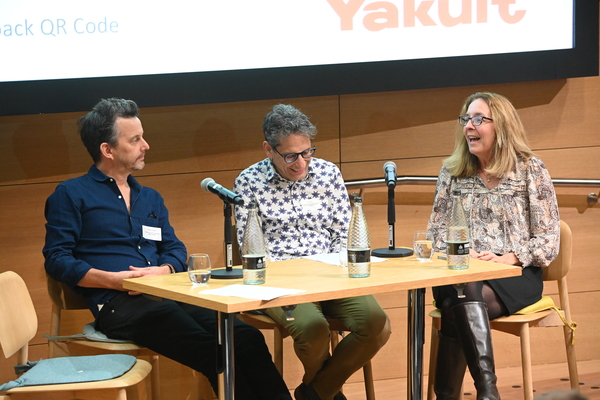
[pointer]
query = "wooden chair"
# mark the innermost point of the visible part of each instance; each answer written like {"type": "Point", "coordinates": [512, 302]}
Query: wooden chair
{"type": "Point", "coordinates": [518, 324]}
{"type": "Point", "coordinates": [64, 300]}
{"type": "Point", "coordinates": [264, 322]}
{"type": "Point", "coordinates": [18, 325]}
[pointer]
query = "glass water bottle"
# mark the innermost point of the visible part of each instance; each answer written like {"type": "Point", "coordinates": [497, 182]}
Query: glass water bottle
{"type": "Point", "coordinates": [359, 243]}
{"type": "Point", "coordinates": [254, 251]}
{"type": "Point", "coordinates": [457, 239]}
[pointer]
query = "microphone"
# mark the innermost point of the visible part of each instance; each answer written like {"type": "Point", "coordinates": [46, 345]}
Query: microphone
{"type": "Point", "coordinates": [389, 168]}
{"type": "Point", "coordinates": [209, 185]}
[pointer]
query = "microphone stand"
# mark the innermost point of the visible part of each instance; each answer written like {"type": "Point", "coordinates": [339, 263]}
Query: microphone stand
{"type": "Point", "coordinates": [392, 251]}
{"type": "Point", "coordinates": [229, 272]}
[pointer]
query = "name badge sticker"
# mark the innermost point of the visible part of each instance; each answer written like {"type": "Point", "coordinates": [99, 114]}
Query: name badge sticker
{"type": "Point", "coordinates": [152, 233]}
{"type": "Point", "coordinates": [311, 204]}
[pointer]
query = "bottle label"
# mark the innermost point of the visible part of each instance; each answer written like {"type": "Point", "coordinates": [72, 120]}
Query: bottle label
{"type": "Point", "coordinates": [458, 248]}
{"type": "Point", "coordinates": [253, 261]}
{"type": "Point", "coordinates": [359, 256]}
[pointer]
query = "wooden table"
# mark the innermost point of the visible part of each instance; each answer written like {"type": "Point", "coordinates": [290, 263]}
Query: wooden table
{"type": "Point", "coordinates": [321, 282]}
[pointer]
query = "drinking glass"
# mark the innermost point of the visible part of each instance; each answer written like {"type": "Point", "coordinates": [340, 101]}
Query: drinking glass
{"type": "Point", "coordinates": [343, 250]}
{"type": "Point", "coordinates": [199, 269]}
{"type": "Point", "coordinates": [423, 246]}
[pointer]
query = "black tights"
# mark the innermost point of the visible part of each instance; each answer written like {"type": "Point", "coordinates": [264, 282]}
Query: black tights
{"type": "Point", "coordinates": [446, 297]}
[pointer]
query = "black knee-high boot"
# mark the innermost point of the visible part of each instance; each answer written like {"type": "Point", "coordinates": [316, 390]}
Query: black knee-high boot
{"type": "Point", "coordinates": [473, 327]}
{"type": "Point", "coordinates": [450, 368]}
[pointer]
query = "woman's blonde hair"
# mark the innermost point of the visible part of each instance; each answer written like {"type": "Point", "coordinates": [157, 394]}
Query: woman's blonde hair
{"type": "Point", "coordinates": [511, 140]}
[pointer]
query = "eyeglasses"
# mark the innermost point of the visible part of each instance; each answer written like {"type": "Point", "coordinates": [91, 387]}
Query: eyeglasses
{"type": "Point", "coordinates": [477, 120]}
{"type": "Point", "coordinates": [290, 158]}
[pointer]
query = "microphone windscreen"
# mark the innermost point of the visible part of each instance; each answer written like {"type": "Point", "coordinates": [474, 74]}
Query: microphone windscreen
{"type": "Point", "coordinates": [205, 182]}
{"type": "Point", "coordinates": [389, 164]}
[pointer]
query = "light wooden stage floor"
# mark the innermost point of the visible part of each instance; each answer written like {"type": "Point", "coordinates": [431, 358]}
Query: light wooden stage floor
{"type": "Point", "coordinates": [547, 378]}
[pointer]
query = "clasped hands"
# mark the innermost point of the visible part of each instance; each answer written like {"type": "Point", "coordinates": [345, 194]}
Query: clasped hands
{"type": "Point", "coordinates": [485, 255]}
{"type": "Point", "coordinates": [136, 272]}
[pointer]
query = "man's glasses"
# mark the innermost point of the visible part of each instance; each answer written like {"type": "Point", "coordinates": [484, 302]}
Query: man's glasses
{"type": "Point", "coordinates": [290, 158]}
{"type": "Point", "coordinates": [477, 120]}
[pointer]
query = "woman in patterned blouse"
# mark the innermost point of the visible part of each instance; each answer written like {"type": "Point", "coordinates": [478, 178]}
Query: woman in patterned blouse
{"type": "Point", "coordinates": [511, 208]}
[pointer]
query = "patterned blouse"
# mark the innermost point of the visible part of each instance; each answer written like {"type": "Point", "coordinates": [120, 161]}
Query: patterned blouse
{"type": "Point", "coordinates": [518, 216]}
{"type": "Point", "coordinates": [306, 217]}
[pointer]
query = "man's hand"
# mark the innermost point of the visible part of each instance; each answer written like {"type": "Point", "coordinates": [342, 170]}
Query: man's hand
{"type": "Point", "coordinates": [151, 271]}
{"type": "Point", "coordinates": [119, 276]}
{"type": "Point", "coordinates": [146, 271]}
{"type": "Point", "coordinates": [96, 278]}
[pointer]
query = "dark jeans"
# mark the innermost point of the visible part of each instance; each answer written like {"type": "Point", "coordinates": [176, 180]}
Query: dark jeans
{"type": "Point", "coordinates": [187, 334]}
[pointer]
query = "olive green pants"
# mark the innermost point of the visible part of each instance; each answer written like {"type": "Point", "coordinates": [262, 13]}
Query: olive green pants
{"type": "Point", "coordinates": [369, 330]}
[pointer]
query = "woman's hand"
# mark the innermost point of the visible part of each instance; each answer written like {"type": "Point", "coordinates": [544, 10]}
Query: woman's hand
{"type": "Point", "coordinates": [508, 258]}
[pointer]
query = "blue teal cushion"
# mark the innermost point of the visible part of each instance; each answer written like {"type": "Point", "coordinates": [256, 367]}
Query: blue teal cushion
{"type": "Point", "coordinates": [73, 370]}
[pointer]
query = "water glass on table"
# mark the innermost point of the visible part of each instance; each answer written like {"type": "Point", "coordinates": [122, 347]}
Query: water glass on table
{"type": "Point", "coordinates": [423, 245]}
{"type": "Point", "coordinates": [343, 251]}
{"type": "Point", "coordinates": [199, 269]}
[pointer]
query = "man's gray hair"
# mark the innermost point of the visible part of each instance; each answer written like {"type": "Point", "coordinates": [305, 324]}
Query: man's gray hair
{"type": "Point", "coordinates": [285, 120]}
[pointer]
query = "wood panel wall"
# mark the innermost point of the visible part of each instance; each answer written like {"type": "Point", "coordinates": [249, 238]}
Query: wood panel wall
{"type": "Point", "coordinates": [359, 132]}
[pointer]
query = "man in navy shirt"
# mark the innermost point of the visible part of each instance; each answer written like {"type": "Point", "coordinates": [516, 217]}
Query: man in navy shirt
{"type": "Point", "coordinates": [104, 227]}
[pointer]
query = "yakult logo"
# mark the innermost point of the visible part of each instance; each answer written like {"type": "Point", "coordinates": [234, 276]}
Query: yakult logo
{"type": "Point", "coordinates": [380, 15]}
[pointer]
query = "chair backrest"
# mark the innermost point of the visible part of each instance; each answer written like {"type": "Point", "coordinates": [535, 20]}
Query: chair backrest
{"type": "Point", "coordinates": [63, 296]}
{"type": "Point", "coordinates": [561, 265]}
{"type": "Point", "coordinates": [18, 320]}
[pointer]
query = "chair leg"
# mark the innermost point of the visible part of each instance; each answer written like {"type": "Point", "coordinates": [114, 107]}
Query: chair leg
{"type": "Point", "coordinates": [122, 395]}
{"type": "Point", "coordinates": [278, 349]}
{"type": "Point", "coordinates": [571, 358]}
{"type": "Point", "coordinates": [526, 362]}
{"type": "Point", "coordinates": [204, 387]}
{"type": "Point", "coordinates": [563, 293]}
{"type": "Point", "coordinates": [368, 377]}
{"type": "Point", "coordinates": [155, 377]}
{"type": "Point", "coordinates": [137, 392]}
{"type": "Point", "coordinates": [433, 350]}
{"type": "Point", "coordinates": [54, 330]}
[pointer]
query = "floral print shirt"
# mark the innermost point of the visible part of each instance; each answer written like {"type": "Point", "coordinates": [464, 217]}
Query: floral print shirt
{"type": "Point", "coordinates": [518, 216]}
{"type": "Point", "coordinates": [306, 217]}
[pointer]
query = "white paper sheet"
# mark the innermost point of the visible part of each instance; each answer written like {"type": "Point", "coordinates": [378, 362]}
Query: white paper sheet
{"type": "Point", "coordinates": [257, 292]}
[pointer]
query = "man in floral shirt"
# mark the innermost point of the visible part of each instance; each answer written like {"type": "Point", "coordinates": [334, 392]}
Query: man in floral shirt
{"type": "Point", "coordinates": [305, 210]}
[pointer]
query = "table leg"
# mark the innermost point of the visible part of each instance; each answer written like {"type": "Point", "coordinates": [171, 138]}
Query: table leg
{"type": "Point", "coordinates": [416, 340]}
{"type": "Point", "coordinates": [225, 361]}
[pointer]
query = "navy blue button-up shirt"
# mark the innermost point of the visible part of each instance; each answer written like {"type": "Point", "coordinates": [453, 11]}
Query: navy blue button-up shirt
{"type": "Point", "coordinates": [89, 226]}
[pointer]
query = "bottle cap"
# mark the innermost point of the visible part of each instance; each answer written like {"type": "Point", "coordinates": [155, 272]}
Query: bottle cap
{"type": "Point", "coordinates": [358, 199]}
{"type": "Point", "coordinates": [252, 204]}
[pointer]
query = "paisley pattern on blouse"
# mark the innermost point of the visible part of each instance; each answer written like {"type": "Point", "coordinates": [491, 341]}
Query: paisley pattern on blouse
{"type": "Point", "coordinates": [518, 216]}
